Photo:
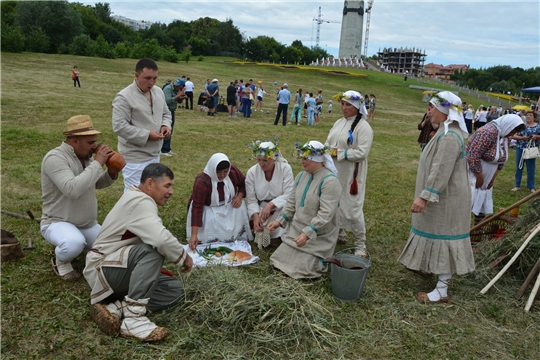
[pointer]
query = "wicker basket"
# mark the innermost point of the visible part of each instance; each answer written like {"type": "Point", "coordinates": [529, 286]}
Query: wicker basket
{"type": "Point", "coordinates": [493, 229]}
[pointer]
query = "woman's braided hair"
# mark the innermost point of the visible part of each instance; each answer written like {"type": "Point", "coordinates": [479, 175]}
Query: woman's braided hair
{"type": "Point", "coordinates": [353, 125]}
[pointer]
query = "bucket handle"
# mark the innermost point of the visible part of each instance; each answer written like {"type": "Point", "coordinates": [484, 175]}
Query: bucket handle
{"type": "Point", "coordinates": [351, 248]}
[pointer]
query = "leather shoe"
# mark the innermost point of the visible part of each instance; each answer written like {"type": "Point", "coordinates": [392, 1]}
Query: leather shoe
{"type": "Point", "coordinates": [423, 297]}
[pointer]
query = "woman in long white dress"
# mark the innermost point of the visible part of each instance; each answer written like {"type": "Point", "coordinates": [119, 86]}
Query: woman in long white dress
{"type": "Point", "coordinates": [351, 138]}
{"type": "Point", "coordinates": [269, 183]}
{"type": "Point", "coordinates": [312, 216]}
{"type": "Point", "coordinates": [217, 211]}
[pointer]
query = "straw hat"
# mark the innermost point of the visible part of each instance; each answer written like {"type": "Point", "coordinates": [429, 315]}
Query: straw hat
{"type": "Point", "coordinates": [80, 125]}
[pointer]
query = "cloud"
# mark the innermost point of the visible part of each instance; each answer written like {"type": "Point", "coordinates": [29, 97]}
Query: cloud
{"type": "Point", "coordinates": [481, 33]}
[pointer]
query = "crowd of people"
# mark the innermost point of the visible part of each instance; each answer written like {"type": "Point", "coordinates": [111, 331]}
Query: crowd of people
{"type": "Point", "coordinates": [305, 215]}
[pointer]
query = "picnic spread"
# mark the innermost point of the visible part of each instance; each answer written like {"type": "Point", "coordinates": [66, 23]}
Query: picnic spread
{"type": "Point", "coordinates": [235, 253]}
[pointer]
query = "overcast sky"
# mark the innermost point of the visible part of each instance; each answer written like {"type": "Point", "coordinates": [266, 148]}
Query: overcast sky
{"type": "Point", "coordinates": [481, 33]}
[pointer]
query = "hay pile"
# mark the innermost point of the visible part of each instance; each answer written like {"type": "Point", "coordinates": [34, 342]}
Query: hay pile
{"type": "Point", "coordinates": [235, 309]}
{"type": "Point", "coordinates": [491, 251]}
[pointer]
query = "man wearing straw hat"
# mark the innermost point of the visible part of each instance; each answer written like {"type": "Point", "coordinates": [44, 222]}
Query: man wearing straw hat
{"type": "Point", "coordinates": [69, 179]}
{"type": "Point", "coordinates": [142, 120]}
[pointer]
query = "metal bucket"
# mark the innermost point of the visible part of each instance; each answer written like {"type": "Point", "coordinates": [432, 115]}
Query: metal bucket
{"type": "Point", "coordinates": [347, 283]}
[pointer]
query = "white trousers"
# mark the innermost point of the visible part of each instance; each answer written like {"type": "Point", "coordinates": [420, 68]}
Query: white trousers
{"type": "Point", "coordinates": [69, 240]}
{"type": "Point", "coordinates": [132, 172]}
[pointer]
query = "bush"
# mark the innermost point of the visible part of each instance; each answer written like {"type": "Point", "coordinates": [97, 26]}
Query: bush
{"type": "Point", "coordinates": [82, 45]}
{"type": "Point", "coordinates": [63, 49]}
{"type": "Point", "coordinates": [170, 55]}
{"type": "Point", "coordinates": [147, 49]}
{"type": "Point", "coordinates": [185, 55]}
{"type": "Point", "coordinates": [37, 41]}
{"type": "Point", "coordinates": [102, 48]}
{"type": "Point", "coordinates": [122, 50]}
{"type": "Point", "coordinates": [12, 38]}
{"type": "Point", "coordinates": [200, 58]}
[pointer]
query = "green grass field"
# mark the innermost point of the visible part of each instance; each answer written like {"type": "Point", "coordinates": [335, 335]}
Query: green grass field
{"type": "Point", "coordinates": [46, 318]}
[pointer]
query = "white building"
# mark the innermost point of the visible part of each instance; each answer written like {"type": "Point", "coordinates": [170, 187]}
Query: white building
{"type": "Point", "coordinates": [134, 24]}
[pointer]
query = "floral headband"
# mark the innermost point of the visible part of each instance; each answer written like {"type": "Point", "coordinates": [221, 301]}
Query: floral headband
{"type": "Point", "coordinates": [268, 152]}
{"type": "Point", "coordinates": [446, 104]}
{"type": "Point", "coordinates": [342, 96]}
{"type": "Point", "coordinates": [306, 150]}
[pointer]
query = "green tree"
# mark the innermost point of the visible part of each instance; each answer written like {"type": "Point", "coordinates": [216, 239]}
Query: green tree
{"type": "Point", "coordinates": [122, 50]}
{"type": "Point", "coordinates": [291, 55]}
{"type": "Point", "coordinates": [7, 10]}
{"type": "Point", "coordinates": [82, 45]}
{"type": "Point", "coordinates": [12, 38]}
{"type": "Point", "coordinates": [103, 12]}
{"type": "Point", "coordinates": [170, 55]}
{"type": "Point", "coordinates": [198, 45]}
{"type": "Point", "coordinates": [112, 35]}
{"type": "Point", "coordinates": [254, 50]}
{"type": "Point", "coordinates": [57, 20]}
{"type": "Point", "coordinates": [147, 49]}
{"type": "Point", "coordinates": [103, 49]}
{"type": "Point", "coordinates": [37, 41]}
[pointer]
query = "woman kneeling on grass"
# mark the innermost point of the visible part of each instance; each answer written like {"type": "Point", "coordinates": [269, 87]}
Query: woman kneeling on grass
{"type": "Point", "coordinates": [269, 185]}
{"type": "Point", "coordinates": [439, 240]}
{"type": "Point", "coordinates": [311, 213]}
{"type": "Point", "coordinates": [217, 211]}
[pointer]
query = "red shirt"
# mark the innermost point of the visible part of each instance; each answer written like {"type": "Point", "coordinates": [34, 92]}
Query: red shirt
{"type": "Point", "coordinates": [202, 192]}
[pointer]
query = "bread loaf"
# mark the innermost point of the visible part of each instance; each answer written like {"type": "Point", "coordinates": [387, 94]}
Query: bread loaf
{"type": "Point", "coordinates": [238, 256]}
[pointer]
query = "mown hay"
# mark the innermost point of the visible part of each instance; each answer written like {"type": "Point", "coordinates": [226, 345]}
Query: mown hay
{"type": "Point", "coordinates": [260, 315]}
{"type": "Point", "coordinates": [491, 251]}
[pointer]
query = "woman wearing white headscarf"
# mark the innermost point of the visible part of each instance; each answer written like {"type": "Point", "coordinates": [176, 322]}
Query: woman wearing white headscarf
{"type": "Point", "coordinates": [487, 151]}
{"type": "Point", "coordinates": [312, 215]}
{"type": "Point", "coordinates": [351, 138]}
{"type": "Point", "coordinates": [439, 241]}
{"type": "Point", "coordinates": [217, 211]}
{"type": "Point", "coordinates": [269, 184]}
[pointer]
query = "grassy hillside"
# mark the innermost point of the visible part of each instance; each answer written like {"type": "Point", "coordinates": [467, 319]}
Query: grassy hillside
{"type": "Point", "coordinates": [43, 317]}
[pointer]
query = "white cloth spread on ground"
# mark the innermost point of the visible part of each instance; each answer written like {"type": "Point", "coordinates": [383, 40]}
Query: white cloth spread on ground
{"type": "Point", "coordinates": [198, 260]}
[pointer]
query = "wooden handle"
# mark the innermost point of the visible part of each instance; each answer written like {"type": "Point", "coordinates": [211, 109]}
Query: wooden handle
{"type": "Point", "coordinates": [501, 213]}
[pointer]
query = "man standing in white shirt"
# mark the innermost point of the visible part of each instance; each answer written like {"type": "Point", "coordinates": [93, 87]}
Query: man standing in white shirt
{"type": "Point", "coordinates": [189, 93]}
{"type": "Point", "coordinates": [141, 119]}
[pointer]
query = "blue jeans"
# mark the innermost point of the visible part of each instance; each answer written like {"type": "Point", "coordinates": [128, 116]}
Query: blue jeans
{"type": "Point", "coordinates": [246, 107]}
{"type": "Point", "coordinates": [531, 168]}
{"type": "Point", "coordinates": [166, 147]}
{"type": "Point", "coordinates": [310, 116]}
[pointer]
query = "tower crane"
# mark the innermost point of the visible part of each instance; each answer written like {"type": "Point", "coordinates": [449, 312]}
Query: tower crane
{"type": "Point", "coordinates": [368, 12]}
{"type": "Point", "coordinates": [319, 21]}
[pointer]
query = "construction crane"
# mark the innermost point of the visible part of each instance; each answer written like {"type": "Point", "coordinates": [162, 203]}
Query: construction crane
{"type": "Point", "coordinates": [368, 12]}
{"type": "Point", "coordinates": [319, 21]}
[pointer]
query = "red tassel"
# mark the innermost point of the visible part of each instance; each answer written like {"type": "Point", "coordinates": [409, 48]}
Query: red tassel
{"type": "Point", "coordinates": [167, 272]}
{"type": "Point", "coordinates": [354, 188]}
{"type": "Point", "coordinates": [354, 185]}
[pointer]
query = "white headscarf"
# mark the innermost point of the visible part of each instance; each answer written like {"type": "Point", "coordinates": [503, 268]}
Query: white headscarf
{"type": "Point", "coordinates": [326, 158]}
{"type": "Point", "coordinates": [453, 111]}
{"type": "Point", "coordinates": [505, 124]}
{"type": "Point", "coordinates": [211, 170]}
{"type": "Point", "coordinates": [271, 145]}
{"type": "Point", "coordinates": [355, 99]}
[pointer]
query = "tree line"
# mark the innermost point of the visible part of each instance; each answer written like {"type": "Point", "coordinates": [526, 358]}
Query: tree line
{"type": "Point", "coordinates": [498, 79]}
{"type": "Point", "coordinates": [59, 27]}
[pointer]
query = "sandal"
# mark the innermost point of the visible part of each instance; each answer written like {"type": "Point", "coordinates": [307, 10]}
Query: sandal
{"type": "Point", "coordinates": [423, 297]}
{"type": "Point", "coordinates": [72, 275]}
